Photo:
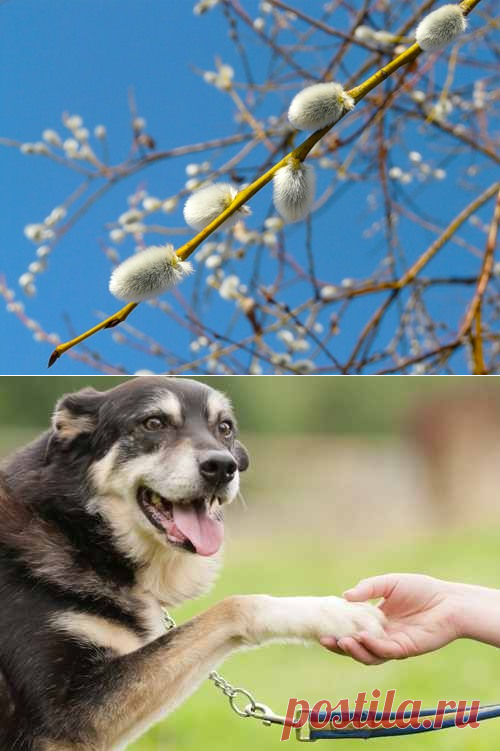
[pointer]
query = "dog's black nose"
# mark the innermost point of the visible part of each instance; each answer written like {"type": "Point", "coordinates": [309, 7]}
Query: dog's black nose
{"type": "Point", "coordinates": [218, 467]}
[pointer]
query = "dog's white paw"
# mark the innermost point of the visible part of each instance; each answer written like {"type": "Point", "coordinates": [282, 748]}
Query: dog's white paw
{"type": "Point", "coordinates": [310, 618]}
{"type": "Point", "coordinates": [341, 618]}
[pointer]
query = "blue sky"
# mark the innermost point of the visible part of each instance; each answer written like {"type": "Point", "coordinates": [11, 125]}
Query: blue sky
{"type": "Point", "coordinates": [82, 57]}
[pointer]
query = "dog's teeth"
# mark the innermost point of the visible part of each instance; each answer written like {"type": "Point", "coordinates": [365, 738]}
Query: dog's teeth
{"type": "Point", "coordinates": [214, 508]}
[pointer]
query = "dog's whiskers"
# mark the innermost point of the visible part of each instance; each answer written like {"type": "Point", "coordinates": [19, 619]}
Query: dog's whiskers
{"type": "Point", "coordinates": [241, 499]}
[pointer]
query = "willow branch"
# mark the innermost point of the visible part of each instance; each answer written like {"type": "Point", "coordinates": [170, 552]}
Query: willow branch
{"type": "Point", "coordinates": [300, 153]}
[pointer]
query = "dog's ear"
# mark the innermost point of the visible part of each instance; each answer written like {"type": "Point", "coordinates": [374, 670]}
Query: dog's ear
{"type": "Point", "coordinates": [76, 414]}
{"type": "Point", "coordinates": [241, 455]}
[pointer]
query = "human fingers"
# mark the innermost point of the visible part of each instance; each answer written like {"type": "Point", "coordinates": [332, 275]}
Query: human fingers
{"type": "Point", "coordinates": [358, 651]}
{"type": "Point", "coordinates": [384, 649]}
{"type": "Point", "coordinates": [372, 588]}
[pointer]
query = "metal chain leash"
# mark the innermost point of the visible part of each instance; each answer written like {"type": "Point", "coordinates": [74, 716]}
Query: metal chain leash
{"type": "Point", "coordinates": [234, 693]}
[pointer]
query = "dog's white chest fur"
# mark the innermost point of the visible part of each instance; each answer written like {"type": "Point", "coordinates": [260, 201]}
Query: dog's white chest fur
{"type": "Point", "coordinates": [152, 615]}
{"type": "Point", "coordinates": [102, 632]}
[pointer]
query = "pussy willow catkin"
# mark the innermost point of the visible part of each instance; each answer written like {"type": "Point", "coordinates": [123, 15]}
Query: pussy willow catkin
{"type": "Point", "coordinates": [293, 190]}
{"type": "Point", "coordinates": [441, 27]}
{"type": "Point", "coordinates": [319, 105]}
{"type": "Point", "coordinates": [206, 204]}
{"type": "Point", "coordinates": [149, 273]}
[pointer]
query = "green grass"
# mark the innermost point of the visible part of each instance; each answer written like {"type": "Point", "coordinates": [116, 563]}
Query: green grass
{"type": "Point", "coordinates": [300, 565]}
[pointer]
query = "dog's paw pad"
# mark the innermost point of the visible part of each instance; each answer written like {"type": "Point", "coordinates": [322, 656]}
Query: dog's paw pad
{"type": "Point", "coordinates": [366, 617]}
{"type": "Point", "coordinates": [340, 618]}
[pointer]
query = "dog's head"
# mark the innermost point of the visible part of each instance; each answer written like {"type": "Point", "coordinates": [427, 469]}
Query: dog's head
{"type": "Point", "coordinates": [164, 459]}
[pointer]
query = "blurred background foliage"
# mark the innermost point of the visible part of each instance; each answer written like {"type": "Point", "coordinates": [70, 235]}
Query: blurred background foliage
{"type": "Point", "coordinates": [350, 477]}
{"type": "Point", "coordinates": [268, 404]}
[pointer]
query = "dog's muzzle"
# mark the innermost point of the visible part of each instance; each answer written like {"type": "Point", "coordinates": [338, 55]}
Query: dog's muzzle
{"type": "Point", "coordinates": [196, 526]}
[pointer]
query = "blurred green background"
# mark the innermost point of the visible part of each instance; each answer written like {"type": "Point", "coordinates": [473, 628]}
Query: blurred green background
{"type": "Point", "coordinates": [350, 477]}
{"type": "Point", "coordinates": [325, 404]}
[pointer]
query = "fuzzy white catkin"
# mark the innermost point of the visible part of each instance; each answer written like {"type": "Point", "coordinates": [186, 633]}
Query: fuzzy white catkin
{"type": "Point", "coordinates": [319, 105]}
{"type": "Point", "coordinates": [293, 190]}
{"type": "Point", "coordinates": [439, 28]}
{"type": "Point", "coordinates": [149, 273]}
{"type": "Point", "coordinates": [206, 204]}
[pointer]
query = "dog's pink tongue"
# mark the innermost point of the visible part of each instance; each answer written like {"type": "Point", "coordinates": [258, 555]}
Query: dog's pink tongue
{"type": "Point", "coordinates": [205, 533]}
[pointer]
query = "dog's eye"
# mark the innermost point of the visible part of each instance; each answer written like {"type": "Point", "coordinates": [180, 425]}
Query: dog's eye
{"type": "Point", "coordinates": [225, 428]}
{"type": "Point", "coordinates": [153, 423]}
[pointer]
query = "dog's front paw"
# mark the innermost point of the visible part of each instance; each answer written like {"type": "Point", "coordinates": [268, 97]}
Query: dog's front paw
{"type": "Point", "coordinates": [341, 618]}
{"type": "Point", "coordinates": [367, 618]}
{"type": "Point", "coordinates": [309, 618]}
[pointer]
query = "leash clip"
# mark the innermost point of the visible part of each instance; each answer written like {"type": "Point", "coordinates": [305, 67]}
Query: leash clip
{"type": "Point", "coordinates": [264, 713]}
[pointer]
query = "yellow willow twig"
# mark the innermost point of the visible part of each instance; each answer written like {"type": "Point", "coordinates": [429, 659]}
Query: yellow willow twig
{"type": "Point", "coordinates": [299, 153]}
{"type": "Point", "coordinates": [477, 344]}
{"type": "Point", "coordinates": [473, 314]}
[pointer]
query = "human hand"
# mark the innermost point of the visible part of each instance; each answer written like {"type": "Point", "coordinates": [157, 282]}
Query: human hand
{"type": "Point", "coordinates": [421, 615]}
